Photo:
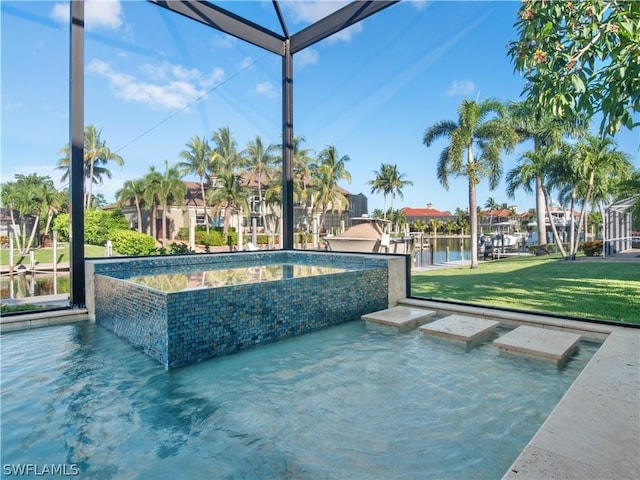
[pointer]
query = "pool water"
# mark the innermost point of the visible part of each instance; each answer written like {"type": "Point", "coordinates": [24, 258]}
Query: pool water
{"type": "Point", "coordinates": [345, 402]}
{"type": "Point", "coordinates": [222, 277]}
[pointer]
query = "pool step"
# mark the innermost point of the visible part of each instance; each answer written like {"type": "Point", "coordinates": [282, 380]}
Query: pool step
{"type": "Point", "coordinates": [539, 343]}
{"type": "Point", "coordinates": [401, 318]}
{"type": "Point", "coordinates": [461, 329]}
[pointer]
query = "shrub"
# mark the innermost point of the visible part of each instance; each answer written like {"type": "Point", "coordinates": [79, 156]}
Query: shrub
{"type": "Point", "coordinates": [592, 248]}
{"type": "Point", "coordinates": [98, 225]}
{"type": "Point", "coordinates": [129, 242]}
{"type": "Point", "coordinates": [175, 249]}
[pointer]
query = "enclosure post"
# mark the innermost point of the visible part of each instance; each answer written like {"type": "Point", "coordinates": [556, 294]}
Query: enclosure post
{"type": "Point", "coordinates": [287, 147]}
{"type": "Point", "coordinates": [76, 155]}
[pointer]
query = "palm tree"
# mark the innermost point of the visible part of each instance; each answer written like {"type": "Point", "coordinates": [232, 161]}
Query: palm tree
{"type": "Point", "coordinates": [389, 181]}
{"type": "Point", "coordinates": [197, 160]}
{"type": "Point", "coordinates": [489, 134]}
{"type": "Point", "coordinates": [259, 161]}
{"type": "Point", "coordinates": [228, 195]}
{"type": "Point", "coordinates": [171, 191]}
{"type": "Point", "coordinates": [533, 167]}
{"type": "Point", "coordinates": [595, 167]}
{"type": "Point", "coordinates": [330, 170]}
{"type": "Point", "coordinates": [133, 191]}
{"type": "Point", "coordinates": [544, 130]}
{"type": "Point", "coordinates": [434, 225]}
{"type": "Point", "coordinates": [31, 196]}
{"type": "Point", "coordinates": [491, 205]}
{"type": "Point", "coordinates": [303, 165]}
{"type": "Point", "coordinates": [151, 183]}
{"type": "Point", "coordinates": [225, 157]}
{"type": "Point", "coordinates": [380, 184]}
{"type": "Point", "coordinates": [96, 157]}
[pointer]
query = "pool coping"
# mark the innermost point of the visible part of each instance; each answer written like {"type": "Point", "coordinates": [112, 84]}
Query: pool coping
{"type": "Point", "coordinates": [594, 431]}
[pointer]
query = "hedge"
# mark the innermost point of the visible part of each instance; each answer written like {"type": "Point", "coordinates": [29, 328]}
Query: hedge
{"type": "Point", "coordinates": [129, 242]}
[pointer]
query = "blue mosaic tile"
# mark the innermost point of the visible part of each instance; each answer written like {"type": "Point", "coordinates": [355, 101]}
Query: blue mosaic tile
{"type": "Point", "coordinates": [189, 326]}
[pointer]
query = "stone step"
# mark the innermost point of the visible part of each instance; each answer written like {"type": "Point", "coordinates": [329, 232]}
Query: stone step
{"type": "Point", "coordinates": [542, 343]}
{"type": "Point", "coordinates": [401, 318]}
{"type": "Point", "coordinates": [461, 329]}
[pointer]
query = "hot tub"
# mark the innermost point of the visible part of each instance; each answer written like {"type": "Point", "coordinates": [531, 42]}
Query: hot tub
{"type": "Point", "coordinates": [188, 308]}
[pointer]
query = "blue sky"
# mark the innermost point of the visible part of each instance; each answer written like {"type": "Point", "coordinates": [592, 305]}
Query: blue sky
{"type": "Point", "coordinates": [155, 79]}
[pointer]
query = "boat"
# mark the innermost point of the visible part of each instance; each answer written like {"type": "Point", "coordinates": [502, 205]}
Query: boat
{"type": "Point", "coordinates": [507, 241]}
{"type": "Point", "coordinates": [365, 236]}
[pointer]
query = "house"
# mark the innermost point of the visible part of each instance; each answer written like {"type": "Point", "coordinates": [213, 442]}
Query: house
{"type": "Point", "coordinates": [192, 209]}
{"type": "Point", "coordinates": [426, 214]}
{"type": "Point", "coordinates": [503, 220]}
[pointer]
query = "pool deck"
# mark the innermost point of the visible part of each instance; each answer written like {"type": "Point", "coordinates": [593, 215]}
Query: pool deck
{"type": "Point", "coordinates": [594, 431]}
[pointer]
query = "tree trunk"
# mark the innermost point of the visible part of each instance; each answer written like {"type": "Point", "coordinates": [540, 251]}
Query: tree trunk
{"type": "Point", "coordinates": [164, 224]}
{"type": "Point", "coordinates": [473, 220]}
{"type": "Point", "coordinates": [15, 230]}
{"type": "Point", "coordinates": [139, 213]}
{"type": "Point", "coordinates": [33, 232]}
{"type": "Point", "coordinates": [572, 225]}
{"type": "Point", "coordinates": [49, 219]}
{"type": "Point", "coordinates": [553, 227]}
{"type": "Point", "coordinates": [473, 211]}
{"type": "Point", "coordinates": [90, 190]}
{"type": "Point", "coordinates": [582, 220]}
{"type": "Point", "coordinates": [204, 204]}
{"type": "Point", "coordinates": [154, 232]}
{"type": "Point", "coordinates": [541, 213]}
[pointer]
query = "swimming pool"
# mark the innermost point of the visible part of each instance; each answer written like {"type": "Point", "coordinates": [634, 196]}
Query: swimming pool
{"type": "Point", "coordinates": [344, 402]}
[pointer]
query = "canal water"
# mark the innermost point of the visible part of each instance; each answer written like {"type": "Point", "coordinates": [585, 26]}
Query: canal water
{"type": "Point", "coordinates": [22, 285]}
{"type": "Point", "coordinates": [442, 250]}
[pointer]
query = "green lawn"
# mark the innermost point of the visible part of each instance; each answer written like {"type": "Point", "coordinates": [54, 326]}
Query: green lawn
{"type": "Point", "coordinates": [45, 255]}
{"type": "Point", "coordinates": [584, 289]}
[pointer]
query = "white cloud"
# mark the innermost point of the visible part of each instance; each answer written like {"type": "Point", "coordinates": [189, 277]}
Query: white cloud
{"type": "Point", "coordinates": [267, 89]}
{"type": "Point", "coordinates": [305, 57]}
{"type": "Point", "coordinates": [419, 5]}
{"type": "Point", "coordinates": [311, 12]}
{"type": "Point", "coordinates": [165, 86]}
{"type": "Point", "coordinates": [463, 87]}
{"type": "Point", "coordinates": [224, 40]}
{"type": "Point", "coordinates": [246, 63]}
{"type": "Point", "coordinates": [98, 14]}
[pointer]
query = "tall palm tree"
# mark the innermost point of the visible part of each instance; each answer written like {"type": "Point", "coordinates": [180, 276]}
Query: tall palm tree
{"type": "Point", "coordinates": [537, 166]}
{"type": "Point", "coordinates": [151, 182]}
{"type": "Point", "coordinates": [133, 191]}
{"type": "Point", "coordinates": [491, 205]}
{"type": "Point", "coordinates": [330, 170]}
{"type": "Point", "coordinates": [390, 182]}
{"type": "Point", "coordinates": [303, 165]}
{"type": "Point", "coordinates": [171, 191]}
{"type": "Point", "coordinates": [96, 156]}
{"type": "Point", "coordinates": [228, 196]}
{"type": "Point", "coordinates": [480, 126]}
{"type": "Point", "coordinates": [259, 162]}
{"type": "Point", "coordinates": [225, 157]}
{"type": "Point", "coordinates": [380, 185]}
{"type": "Point", "coordinates": [544, 130]}
{"type": "Point", "coordinates": [197, 160]}
{"type": "Point", "coordinates": [594, 169]}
